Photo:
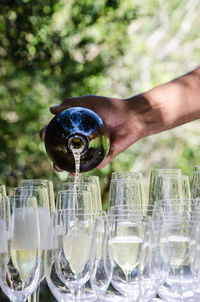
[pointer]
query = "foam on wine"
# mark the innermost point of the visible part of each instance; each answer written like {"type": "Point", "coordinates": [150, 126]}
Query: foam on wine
{"type": "Point", "coordinates": [76, 246]}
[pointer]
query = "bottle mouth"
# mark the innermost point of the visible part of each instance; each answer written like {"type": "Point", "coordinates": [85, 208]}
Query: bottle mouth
{"type": "Point", "coordinates": [77, 142]}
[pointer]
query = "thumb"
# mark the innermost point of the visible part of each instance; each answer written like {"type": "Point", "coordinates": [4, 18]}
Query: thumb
{"type": "Point", "coordinates": [58, 108]}
{"type": "Point", "coordinates": [105, 162]}
{"type": "Point", "coordinates": [42, 133]}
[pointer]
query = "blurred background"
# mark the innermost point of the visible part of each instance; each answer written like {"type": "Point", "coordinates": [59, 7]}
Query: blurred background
{"type": "Point", "coordinates": [53, 49]}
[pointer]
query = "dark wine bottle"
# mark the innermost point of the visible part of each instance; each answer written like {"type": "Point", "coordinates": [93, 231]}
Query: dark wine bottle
{"type": "Point", "coordinates": [77, 128]}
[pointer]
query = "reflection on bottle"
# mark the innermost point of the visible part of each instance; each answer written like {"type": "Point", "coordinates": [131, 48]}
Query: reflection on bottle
{"type": "Point", "coordinates": [77, 128]}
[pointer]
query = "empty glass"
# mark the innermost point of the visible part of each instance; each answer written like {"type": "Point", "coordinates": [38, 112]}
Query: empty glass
{"type": "Point", "coordinates": [172, 187]}
{"type": "Point", "coordinates": [195, 184]}
{"type": "Point", "coordinates": [127, 175]}
{"type": "Point", "coordinates": [44, 183]}
{"type": "Point", "coordinates": [153, 181]}
{"type": "Point", "coordinates": [2, 190]}
{"type": "Point", "coordinates": [100, 261]}
{"type": "Point", "coordinates": [125, 192]}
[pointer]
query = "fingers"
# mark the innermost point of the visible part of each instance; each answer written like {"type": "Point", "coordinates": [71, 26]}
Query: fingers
{"type": "Point", "coordinates": [106, 161]}
{"type": "Point", "coordinates": [81, 101]}
{"type": "Point", "coordinates": [69, 102]}
{"type": "Point", "coordinates": [57, 169]}
{"type": "Point", "coordinates": [42, 133]}
{"type": "Point", "coordinates": [58, 108]}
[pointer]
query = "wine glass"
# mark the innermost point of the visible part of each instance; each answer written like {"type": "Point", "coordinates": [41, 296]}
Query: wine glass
{"type": "Point", "coordinates": [20, 263]}
{"type": "Point", "coordinates": [125, 192]}
{"type": "Point", "coordinates": [40, 193]}
{"type": "Point", "coordinates": [70, 199]}
{"type": "Point", "coordinates": [178, 285]}
{"type": "Point", "coordinates": [90, 187]}
{"type": "Point", "coordinates": [178, 207]}
{"type": "Point", "coordinates": [125, 243]}
{"type": "Point", "coordinates": [127, 175]}
{"type": "Point", "coordinates": [44, 183]}
{"type": "Point", "coordinates": [196, 267]}
{"type": "Point", "coordinates": [68, 254]}
{"type": "Point", "coordinates": [90, 179]}
{"type": "Point", "coordinates": [135, 177]}
{"type": "Point", "coordinates": [81, 200]}
{"type": "Point", "coordinates": [2, 190]}
{"type": "Point", "coordinates": [5, 204]}
{"type": "Point", "coordinates": [172, 187]}
{"type": "Point", "coordinates": [153, 180]}
{"type": "Point", "coordinates": [100, 261]}
{"type": "Point", "coordinates": [41, 197]}
{"type": "Point", "coordinates": [154, 259]}
{"type": "Point", "coordinates": [195, 184]}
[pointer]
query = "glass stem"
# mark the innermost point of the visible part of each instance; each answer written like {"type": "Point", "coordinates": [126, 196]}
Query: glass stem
{"type": "Point", "coordinates": [76, 294]}
{"type": "Point", "coordinates": [35, 297]}
{"type": "Point", "coordinates": [128, 279]}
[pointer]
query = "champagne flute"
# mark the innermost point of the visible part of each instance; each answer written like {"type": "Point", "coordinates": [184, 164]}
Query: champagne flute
{"type": "Point", "coordinates": [172, 187]}
{"type": "Point", "coordinates": [195, 184]}
{"type": "Point", "coordinates": [125, 192]}
{"type": "Point", "coordinates": [2, 190]}
{"type": "Point", "coordinates": [68, 200]}
{"type": "Point", "coordinates": [178, 285]}
{"type": "Point", "coordinates": [41, 197]}
{"type": "Point", "coordinates": [154, 259]}
{"type": "Point", "coordinates": [153, 180]}
{"type": "Point", "coordinates": [125, 243]}
{"type": "Point", "coordinates": [5, 204]}
{"type": "Point", "coordinates": [82, 200]}
{"type": "Point", "coordinates": [90, 187]}
{"type": "Point", "coordinates": [196, 267]}
{"type": "Point", "coordinates": [135, 177]}
{"type": "Point", "coordinates": [100, 260]}
{"type": "Point", "coordinates": [44, 183]}
{"type": "Point", "coordinates": [20, 264]}
{"type": "Point", "coordinates": [30, 189]}
{"type": "Point", "coordinates": [127, 175]}
{"type": "Point", "coordinates": [68, 255]}
{"type": "Point", "coordinates": [90, 179]}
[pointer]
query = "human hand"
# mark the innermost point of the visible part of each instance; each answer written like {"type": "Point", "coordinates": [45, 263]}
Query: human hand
{"type": "Point", "coordinates": [117, 116]}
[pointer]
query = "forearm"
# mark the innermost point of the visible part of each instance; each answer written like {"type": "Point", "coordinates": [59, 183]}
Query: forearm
{"type": "Point", "coordinates": [169, 105]}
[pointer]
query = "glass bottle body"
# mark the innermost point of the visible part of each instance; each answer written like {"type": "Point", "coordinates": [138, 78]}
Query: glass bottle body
{"type": "Point", "coordinates": [76, 128]}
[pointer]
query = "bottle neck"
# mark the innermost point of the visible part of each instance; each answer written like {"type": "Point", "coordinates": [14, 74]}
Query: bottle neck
{"type": "Point", "coordinates": [77, 142]}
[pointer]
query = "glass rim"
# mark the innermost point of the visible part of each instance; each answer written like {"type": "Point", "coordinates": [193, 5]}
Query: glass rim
{"type": "Point", "coordinates": [166, 169]}
{"type": "Point", "coordinates": [36, 180]}
{"type": "Point", "coordinates": [129, 180]}
{"type": "Point", "coordinates": [176, 199]}
{"type": "Point", "coordinates": [75, 210]}
{"type": "Point", "coordinates": [71, 192]}
{"type": "Point", "coordinates": [34, 188]}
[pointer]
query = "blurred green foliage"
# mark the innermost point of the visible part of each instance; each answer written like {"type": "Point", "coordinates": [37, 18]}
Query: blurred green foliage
{"type": "Point", "coordinates": [53, 49]}
{"type": "Point", "coordinates": [50, 50]}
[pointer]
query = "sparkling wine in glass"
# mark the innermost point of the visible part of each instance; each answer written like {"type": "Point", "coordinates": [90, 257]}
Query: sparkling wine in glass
{"type": "Point", "coordinates": [20, 263]}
